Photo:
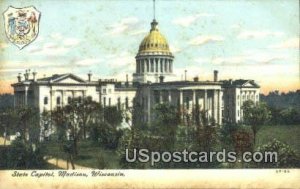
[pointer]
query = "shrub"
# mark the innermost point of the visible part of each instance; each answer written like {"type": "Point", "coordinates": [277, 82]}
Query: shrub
{"type": "Point", "coordinates": [286, 156]}
{"type": "Point", "coordinates": [26, 155]}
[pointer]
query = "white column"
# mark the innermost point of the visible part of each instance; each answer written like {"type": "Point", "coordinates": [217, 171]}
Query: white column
{"type": "Point", "coordinates": [162, 65]}
{"type": "Point", "coordinates": [62, 98]}
{"type": "Point", "coordinates": [167, 65]}
{"type": "Point", "coordinates": [160, 97]}
{"type": "Point", "coordinates": [205, 100]}
{"type": "Point", "coordinates": [194, 99]}
{"type": "Point", "coordinates": [169, 96]}
{"type": "Point", "coordinates": [181, 104]}
{"type": "Point", "coordinates": [215, 106]}
{"type": "Point", "coordinates": [180, 98]}
{"type": "Point", "coordinates": [52, 92]}
{"type": "Point", "coordinates": [205, 103]}
{"type": "Point", "coordinates": [26, 96]}
{"type": "Point", "coordinates": [220, 106]}
{"type": "Point", "coordinates": [154, 65]}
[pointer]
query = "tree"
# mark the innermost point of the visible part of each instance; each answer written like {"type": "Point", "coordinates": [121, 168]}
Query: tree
{"type": "Point", "coordinates": [105, 130]}
{"type": "Point", "coordinates": [24, 155]}
{"type": "Point", "coordinates": [87, 112]}
{"type": "Point", "coordinates": [255, 115]}
{"type": "Point", "coordinates": [165, 124]}
{"type": "Point", "coordinates": [8, 121]}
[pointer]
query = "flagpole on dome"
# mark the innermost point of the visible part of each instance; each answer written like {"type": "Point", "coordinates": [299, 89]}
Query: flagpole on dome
{"type": "Point", "coordinates": [154, 22]}
{"type": "Point", "coordinates": [154, 9]}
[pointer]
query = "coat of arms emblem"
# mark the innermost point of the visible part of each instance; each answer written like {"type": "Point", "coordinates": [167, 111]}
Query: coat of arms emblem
{"type": "Point", "coordinates": [21, 25]}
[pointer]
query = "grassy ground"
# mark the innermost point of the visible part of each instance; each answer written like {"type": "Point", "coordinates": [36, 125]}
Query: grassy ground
{"type": "Point", "coordinates": [89, 155]}
{"type": "Point", "coordinates": [285, 133]}
{"type": "Point", "coordinates": [94, 156]}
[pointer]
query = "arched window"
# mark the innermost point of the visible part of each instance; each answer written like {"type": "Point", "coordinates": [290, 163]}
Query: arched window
{"type": "Point", "coordinates": [46, 100]}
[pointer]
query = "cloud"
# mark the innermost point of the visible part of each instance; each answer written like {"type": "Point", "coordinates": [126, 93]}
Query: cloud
{"type": "Point", "coordinates": [56, 36]}
{"type": "Point", "coordinates": [188, 20]}
{"type": "Point", "coordinates": [292, 43]}
{"type": "Point", "coordinates": [87, 62]}
{"type": "Point", "coordinates": [124, 63]}
{"type": "Point", "coordinates": [71, 42]}
{"type": "Point", "coordinates": [14, 66]}
{"type": "Point", "coordinates": [249, 58]}
{"type": "Point", "coordinates": [57, 46]}
{"type": "Point", "coordinates": [201, 40]}
{"type": "Point", "coordinates": [54, 51]}
{"type": "Point", "coordinates": [11, 70]}
{"type": "Point", "coordinates": [236, 26]}
{"type": "Point", "coordinates": [138, 32]}
{"type": "Point", "coordinates": [174, 49]}
{"type": "Point", "coordinates": [128, 24]}
{"type": "Point", "coordinates": [258, 34]}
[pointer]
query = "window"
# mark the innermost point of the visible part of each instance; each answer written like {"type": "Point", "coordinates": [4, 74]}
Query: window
{"type": "Point", "coordinates": [109, 101]}
{"type": "Point", "coordinates": [79, 99]}
{"type": "Point", "coordinates": [104, 101]}
{"type": "Point", "coordinates": [58, 100]}
{"type": "Point", "coordinates": [119, 103]}
{"type": "Point", "coordinates": [238, 113]}
{"type": "Point", "coordinates": [126, 103]}
{"type": "Point", "coordinates": [69, 100]}
{"type": "Point", "coordinates": [46, 100]}
{"type": "Point", "coordinates": [104, 91]}
{"type": "Point", "coordinates": [109, 90]}
{"type": "Point", "coordinates": [187, 99]}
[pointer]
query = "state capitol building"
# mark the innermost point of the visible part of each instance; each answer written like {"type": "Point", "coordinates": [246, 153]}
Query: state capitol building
{"type": "Point", "coordinates": [153, 82]}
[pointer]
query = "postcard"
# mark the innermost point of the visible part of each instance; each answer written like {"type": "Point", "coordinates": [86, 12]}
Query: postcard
{"type": "Point", "coordinates": [149, 94]}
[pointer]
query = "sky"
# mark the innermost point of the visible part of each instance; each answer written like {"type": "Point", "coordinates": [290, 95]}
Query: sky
{"type": "Point", "coordinates": [252, 39]}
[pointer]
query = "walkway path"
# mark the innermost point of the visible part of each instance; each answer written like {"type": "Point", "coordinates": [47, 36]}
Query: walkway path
{"type": "Point", "coordinates": [61, 163]}
{"type": "Point", "coordinates": [2, 141]}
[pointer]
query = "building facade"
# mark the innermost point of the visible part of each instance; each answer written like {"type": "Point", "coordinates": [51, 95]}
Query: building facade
{"type": "Point", "coordinates": [153, 82]}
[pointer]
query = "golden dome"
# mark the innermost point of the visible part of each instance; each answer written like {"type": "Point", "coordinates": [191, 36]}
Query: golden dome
{"type": "Point", "coordinates": [154, 43]}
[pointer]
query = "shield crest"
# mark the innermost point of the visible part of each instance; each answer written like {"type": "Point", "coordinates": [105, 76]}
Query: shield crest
{"type": "Point", "coordinates": [21, 25]}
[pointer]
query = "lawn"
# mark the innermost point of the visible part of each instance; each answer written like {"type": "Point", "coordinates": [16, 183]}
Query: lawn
{"type": "Point", "coordinates": [285, 133]}
{"type": "Point", "coordinates": [91, 155]}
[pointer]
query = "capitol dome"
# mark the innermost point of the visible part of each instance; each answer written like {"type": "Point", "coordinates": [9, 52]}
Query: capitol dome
{"type": "Point", "coordinates": [154, 59]}
{"type": "Point", "coordinates": [154, 43]}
